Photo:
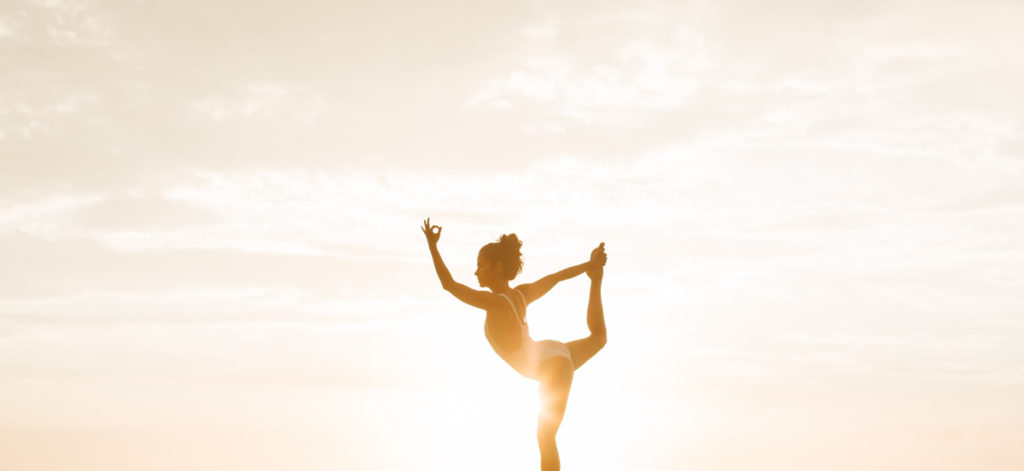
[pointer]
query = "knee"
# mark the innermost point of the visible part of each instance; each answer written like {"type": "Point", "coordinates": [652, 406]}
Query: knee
{"type": "Point", "coordinates": [552, 409]}
{"type": "Point", "coordinates": [546, 430]}
{"type": "Point", "coordinates": [549, 418]}
{"type": "Point", "coordinates": [600, 339]}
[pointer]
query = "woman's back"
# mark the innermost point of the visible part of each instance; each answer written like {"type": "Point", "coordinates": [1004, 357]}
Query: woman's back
{"type": "Point", "coordinates": [506, 329]}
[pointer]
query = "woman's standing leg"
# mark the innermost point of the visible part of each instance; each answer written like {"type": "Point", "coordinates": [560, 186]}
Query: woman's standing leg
{"type": "Point", "coordinates": [555, 382]}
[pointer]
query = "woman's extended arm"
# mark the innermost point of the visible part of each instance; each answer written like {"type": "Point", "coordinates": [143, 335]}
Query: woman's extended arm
{"type": "Point", "coordinates": [533, 291]}
{"type": "Point", "coordinates": [480, 299]}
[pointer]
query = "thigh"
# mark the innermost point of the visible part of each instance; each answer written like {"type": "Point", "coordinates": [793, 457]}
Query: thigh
{"type": "Point", "coordinates": [583, 349]}
{"type": "Point", "coordinates": [555, 382]}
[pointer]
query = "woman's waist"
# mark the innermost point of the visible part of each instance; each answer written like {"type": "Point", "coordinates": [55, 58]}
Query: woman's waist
{"type": "Point", "coordinates": [507, 339]}
{"type": "Point", "coordinates": [510, 348]}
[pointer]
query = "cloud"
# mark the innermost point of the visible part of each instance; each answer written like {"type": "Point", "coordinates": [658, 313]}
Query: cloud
{"type": "Point", "coordinates": [255, 353]}
{"type": "Point", "coordinates": [60, 23]}
{"type": "Point", "coordinates": [842, 138]}
{"type": "Point", "coordinates": [1012, 147]}
{"type": "Point", "coordinates": [42, 217]}
{"type": "Point", "coordinates": [263, 101]}
{"type": "Point", "coordinates": [918, 357]}
{"type": "Point", "coordinates": [26, 120]}
{"type": "Point", "coordinates": [337, 81]}
{"type": "Point", "coordinates": [784, 213]}
{"type": "Point", "coordinates": [596, 82]}
{"type": "Point", "coordinates": [142, 213]}
{"type": "Point", "coordinates": [37, 268]}
{"type": "Point", "coordinates": [637, 74]}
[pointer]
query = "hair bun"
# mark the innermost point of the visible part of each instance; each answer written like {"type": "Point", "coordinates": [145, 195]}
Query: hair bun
{"type": "Point", "coordinates": [511, 241]}
{"type": "Point", "coordinates": [506, 250]}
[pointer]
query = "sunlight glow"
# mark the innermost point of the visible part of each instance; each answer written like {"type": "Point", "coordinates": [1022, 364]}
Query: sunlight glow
{"type": "Point", "coordinates": [211, 261]}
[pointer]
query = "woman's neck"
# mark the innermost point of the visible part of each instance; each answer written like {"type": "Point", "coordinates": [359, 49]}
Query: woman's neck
{"type": "Point", "coordinates": [501, 288]}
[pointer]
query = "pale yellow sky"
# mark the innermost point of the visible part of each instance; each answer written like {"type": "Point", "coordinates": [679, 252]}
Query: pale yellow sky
{"type": "Point", "coordinates": [211, 260]}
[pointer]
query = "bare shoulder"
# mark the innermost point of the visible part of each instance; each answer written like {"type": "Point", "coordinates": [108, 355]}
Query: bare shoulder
{"type": "Point", "coordinates": [523, 289]}
{"type": "Point", "coordinates": [529, 292]}
{"type": "Point", "coordinates": [494, 300]}
{"type": "Point", "coordinates": [491, 301]}
{"type": "Point", "coordinates": [485, 300]}
{"type": "Point", "coordinates": [522, 295]}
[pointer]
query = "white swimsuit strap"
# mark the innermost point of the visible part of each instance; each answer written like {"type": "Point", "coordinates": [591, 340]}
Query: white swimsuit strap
{"type": "Point", "coordinates": [521, 296]}
{"type": "Point", "coordinates": [514, 310]}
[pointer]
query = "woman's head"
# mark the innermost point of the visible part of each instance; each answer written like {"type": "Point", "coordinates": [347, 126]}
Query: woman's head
{"type": "Point", "coordinates": [499, 261]}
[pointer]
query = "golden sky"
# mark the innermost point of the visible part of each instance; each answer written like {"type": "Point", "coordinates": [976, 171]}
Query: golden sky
{"type": "Point", "coordinates": [209, 211]}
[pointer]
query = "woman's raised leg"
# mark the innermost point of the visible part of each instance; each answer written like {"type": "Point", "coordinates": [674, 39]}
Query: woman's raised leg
{"type": "Point", "coordinates": [555, 382]}
{"type": "Point", "coordinates": [586, 347]}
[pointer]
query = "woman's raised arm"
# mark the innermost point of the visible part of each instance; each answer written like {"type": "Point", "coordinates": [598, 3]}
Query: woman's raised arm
{"type": "Point", "coordinates": [479, 299]}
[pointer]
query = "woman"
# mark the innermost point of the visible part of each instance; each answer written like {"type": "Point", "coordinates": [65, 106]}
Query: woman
{"type": "Point", "coordinates": [550, 362]}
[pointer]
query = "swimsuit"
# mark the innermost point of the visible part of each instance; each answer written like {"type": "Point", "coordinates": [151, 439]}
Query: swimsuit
{"type": "Point", "coordinates": [530, 354]}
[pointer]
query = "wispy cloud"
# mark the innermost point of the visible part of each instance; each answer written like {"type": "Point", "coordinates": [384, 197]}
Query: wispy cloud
{"type": "Point", "coordinates": [263, 101]}
{"type": "Point", "coordinates": [636, 74]}
{"type": "Point", "coordinates": [62, 23]}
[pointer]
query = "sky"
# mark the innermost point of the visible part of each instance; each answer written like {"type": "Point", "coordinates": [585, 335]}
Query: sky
{"type": "Point", "coordinates": [209, 211]}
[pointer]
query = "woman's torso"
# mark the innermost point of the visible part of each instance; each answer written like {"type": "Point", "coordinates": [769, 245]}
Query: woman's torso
{"type": "Point", "coordinates": [505, 328]}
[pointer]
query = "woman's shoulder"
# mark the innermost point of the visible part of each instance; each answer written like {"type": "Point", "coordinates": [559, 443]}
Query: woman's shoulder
{"type": "Point", "coordinates": [517, 308]}
{"type": "Point", "coordinates": [498, 301]}
{"type": "Point", "coordinates": [521, 295]}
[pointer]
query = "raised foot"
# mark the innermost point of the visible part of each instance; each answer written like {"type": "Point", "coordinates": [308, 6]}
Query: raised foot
{"type": "Point", "coordinates": [597, 261]}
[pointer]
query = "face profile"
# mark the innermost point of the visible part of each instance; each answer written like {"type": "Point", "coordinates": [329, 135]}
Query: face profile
{"type": "Point", "coordinates": [486, 271]}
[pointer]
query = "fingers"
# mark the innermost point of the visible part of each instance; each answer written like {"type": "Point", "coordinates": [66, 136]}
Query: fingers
{"type": "Point", "coordinates": [599, 256]}
{"type": "Point", "coordinates": [429, 230]}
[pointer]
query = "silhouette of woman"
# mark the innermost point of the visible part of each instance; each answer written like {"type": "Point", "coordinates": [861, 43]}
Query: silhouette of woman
{"type": "Point", "coordinates": [550, 362]}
